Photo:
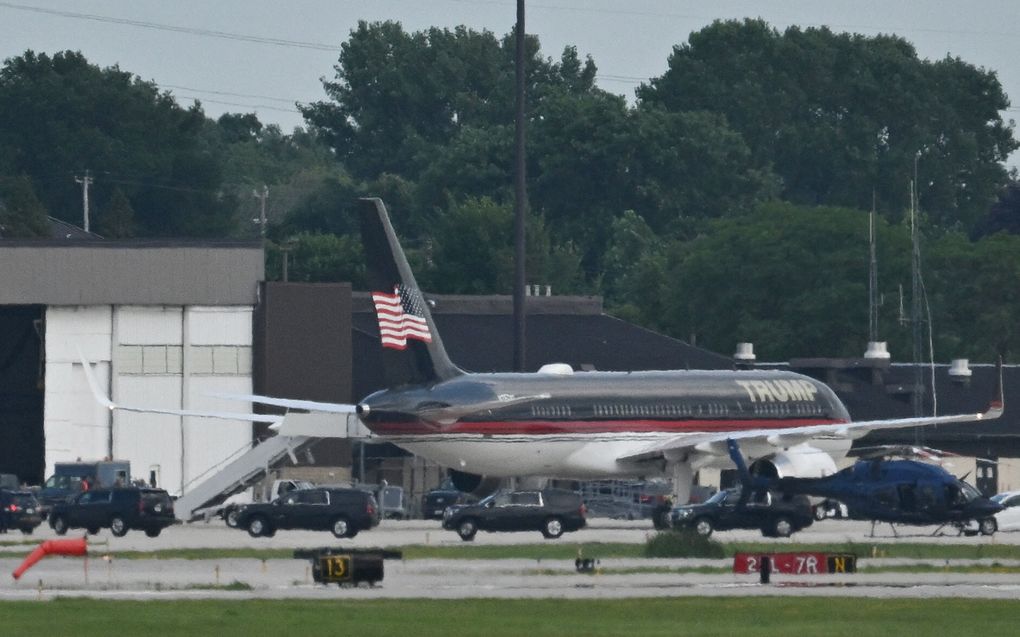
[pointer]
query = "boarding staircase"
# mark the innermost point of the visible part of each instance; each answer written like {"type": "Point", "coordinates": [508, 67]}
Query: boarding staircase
{"type": "Point", "coordinates": [250, 464]}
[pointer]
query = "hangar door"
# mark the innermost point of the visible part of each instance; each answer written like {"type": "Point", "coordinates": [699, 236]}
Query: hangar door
{"type": "Point", "coordinates": [21, 392]}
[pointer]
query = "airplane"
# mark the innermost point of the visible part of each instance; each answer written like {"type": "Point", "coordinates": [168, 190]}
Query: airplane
{"type": "Point", "coordinates": [883, 490]}
{"type": "Point", "coordinates": [562, 423]}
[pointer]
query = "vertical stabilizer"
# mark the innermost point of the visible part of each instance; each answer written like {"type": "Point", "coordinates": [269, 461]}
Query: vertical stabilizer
{"type": "Point", "coordinates": [413, 352]}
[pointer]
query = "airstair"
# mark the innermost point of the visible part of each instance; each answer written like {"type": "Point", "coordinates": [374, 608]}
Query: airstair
{"type": "Point", "coordinates": [251, 464]}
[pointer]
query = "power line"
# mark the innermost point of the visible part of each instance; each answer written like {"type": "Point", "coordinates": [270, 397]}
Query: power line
{"type": "Point", "coordinates": [261, 97]}
{"type": "Point", "coordinates": [224, 35]}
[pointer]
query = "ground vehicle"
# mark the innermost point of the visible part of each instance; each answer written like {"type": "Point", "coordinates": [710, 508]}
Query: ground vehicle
{"type": "Point", "coordinates": [119, 509]}
{"type": "Point", "coordinates": [68, 476]}
{"type": "Point", "coordinates": [22, 510]}
{"type": "Point", "coordinates": [775, 515]}
{"type": "Point", "coordinates": [228, 511]}
{"type": "Point", "coordinates": [551, 511]}
{"type": "Point", "coordinates": [434, 503]}
{"type": "Point", "coordinates": [345, 512]}
{"type": "Point", "coordinates": [625, 499]}
{"type": "Point", "coordinates": [1009, 518]}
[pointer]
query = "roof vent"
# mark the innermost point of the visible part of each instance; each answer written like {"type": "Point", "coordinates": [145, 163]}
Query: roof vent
{"type": "Point", "coordinates": [877, 350]}
{"type": "Point", "coordinates": [556, 369]}
{"type": "Point", "coordinates": [745, 353]}
{"type": "Point", "coordinates": [959, 369]}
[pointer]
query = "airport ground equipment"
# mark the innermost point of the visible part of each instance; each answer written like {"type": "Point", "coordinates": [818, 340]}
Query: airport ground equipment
{"type": "Point", "coordinates": [241, 473]}
{"type": "Point", "coordinates": [345, 566]}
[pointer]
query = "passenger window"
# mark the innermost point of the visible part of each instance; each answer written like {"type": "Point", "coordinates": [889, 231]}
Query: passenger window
{"type": "Point", "coordinates": [527, 499]}
{"type": "Point", "coordinates": [502, 500]}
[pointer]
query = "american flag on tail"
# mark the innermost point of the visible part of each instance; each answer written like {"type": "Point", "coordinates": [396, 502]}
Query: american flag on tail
{"type": "Point", "coordinates": [401, 317]}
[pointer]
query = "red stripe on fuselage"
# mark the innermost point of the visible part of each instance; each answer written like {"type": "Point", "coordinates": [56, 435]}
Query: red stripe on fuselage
{"type": "Point", "coordinates": [547, 427]}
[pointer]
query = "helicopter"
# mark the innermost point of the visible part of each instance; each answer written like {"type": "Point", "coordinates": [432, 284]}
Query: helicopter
{"type": "Point", "coordinates": [882, 490]}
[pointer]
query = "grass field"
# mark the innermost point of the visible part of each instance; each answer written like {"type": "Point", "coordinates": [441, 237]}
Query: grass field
{"type": "Point", "coordinates": [781, 617]}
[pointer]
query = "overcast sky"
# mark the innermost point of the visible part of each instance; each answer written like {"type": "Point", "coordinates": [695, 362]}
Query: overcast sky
{"type": "Point", "coordinates": [261, 56]}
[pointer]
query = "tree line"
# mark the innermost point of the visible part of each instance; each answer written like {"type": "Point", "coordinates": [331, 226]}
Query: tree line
{"type": "Point", "coordinates": [728, 202]}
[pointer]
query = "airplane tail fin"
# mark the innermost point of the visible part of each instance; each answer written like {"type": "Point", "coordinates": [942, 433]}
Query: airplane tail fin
{"type": "Point", "coordinates": [413, 352]}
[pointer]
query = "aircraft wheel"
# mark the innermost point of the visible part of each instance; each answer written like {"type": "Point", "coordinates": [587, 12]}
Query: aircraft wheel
{"type": "Point", "coordinates": [782, 527]}
{"type": "Point", "coordinates": [467, 529]}
{"type": "Point", "coordinates": [703, 527]}
{"type": "Point", "coordinates": [988, 526]}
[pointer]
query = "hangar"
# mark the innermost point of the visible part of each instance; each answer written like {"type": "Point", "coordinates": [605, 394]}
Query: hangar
{"type": "Point", "coordinates": [165, 323]}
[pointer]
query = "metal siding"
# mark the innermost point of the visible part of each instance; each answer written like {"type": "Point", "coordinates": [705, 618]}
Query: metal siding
{"type": "Point", "coordinates": [125, 274]}
{"type": "Point", "coordinates": [220, 325]}
{"type": "Point", "coordinates": [211, 443]}
{"type": "Point", "coordinates": [150, 439]}
{"type": "Point", "coordinates": [70, 329]}
{"type": "Point", "coordinates": [149, 325]}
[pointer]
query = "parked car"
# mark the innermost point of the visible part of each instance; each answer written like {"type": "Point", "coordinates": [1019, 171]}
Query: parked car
{"type": "Point", "coordinates": [345, 512]}
{"type": "Point", "coordinates": [119, 509]}
{"type": "Point", "coordinates": [1006, 520]}
{"type": "Point", "coordinates": [1009, 518]}
{"type": "Point", "coordinates": [434, 503]}
{"type": "Point", "coordinates": [551, 511]}
{"type": "Point", "coordinates": [775, 515]}
{"type": "Point", "coordinates": [22, 510]}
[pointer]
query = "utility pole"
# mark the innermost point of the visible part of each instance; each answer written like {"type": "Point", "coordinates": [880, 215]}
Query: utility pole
{"type": "Point", "coordinates": [262, 197]}
{"type": "Point", "coordinates": [85, 182]}
{"type": "Point", "coordinates": [520, 198]}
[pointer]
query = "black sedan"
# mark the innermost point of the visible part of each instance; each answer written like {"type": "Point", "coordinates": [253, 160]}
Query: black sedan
{"type": "Point", "coordinates": [551, 511]}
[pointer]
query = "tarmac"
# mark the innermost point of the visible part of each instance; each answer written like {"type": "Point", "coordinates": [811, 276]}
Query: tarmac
{"type": "Point", "coordinates": [104, 575]}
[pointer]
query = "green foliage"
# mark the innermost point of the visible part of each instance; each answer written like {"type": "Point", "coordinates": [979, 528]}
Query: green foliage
{"type": "Point", "coordinates": [683, 543]}
{"type": "Point", "coordinates": [317, 258]}
{"type": "Point", "coordinates": [22, 215]}
{"type": "Point", "coordinates": [792, 280]}
{"type": "Point", "coordinates": [116, 220]}
{"type": "Point", "coordinates": [63, 115]}
{"type": "Point", "coordinates": [842, 117]}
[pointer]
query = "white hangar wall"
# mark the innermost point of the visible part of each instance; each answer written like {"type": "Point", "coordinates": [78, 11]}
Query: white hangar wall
{"type": "Point", "coordinates": [166, 356]}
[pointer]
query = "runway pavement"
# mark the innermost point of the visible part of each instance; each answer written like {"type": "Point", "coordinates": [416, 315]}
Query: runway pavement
{"type": "Point", "coordinates": [116, 578]}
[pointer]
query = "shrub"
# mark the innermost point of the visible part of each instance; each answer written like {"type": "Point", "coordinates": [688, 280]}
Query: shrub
{"type": "Point", "coordinates": [683, 543]}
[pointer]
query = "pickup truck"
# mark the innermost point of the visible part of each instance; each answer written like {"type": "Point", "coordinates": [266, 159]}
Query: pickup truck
{"type": "Point", "coordinates": [775, 515]}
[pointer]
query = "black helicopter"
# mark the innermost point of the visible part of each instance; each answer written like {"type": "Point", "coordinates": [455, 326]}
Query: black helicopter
{"type": "Point", "coordinates": [882, 490]}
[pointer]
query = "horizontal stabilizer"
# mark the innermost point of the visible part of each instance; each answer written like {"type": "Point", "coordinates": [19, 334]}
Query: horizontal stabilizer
{"type": "Point", "coordinates": [105, 401]}
{"type": "Point", "coordinates": [289, 403]}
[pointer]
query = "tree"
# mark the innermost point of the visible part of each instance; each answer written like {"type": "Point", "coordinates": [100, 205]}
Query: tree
{"type": "Point", "coordinates": [22, 215]}
{"type": "Point", "coordinates": [317, 258]}
{"type": "Point", "coordinates": [399, 96]}
{"type": "Point", "coordinates": [116, 220]}
{"type": "Point", "coordinates": [63, 115]}
{"type": "Point", "coordinates": [843, 118]}
{"type": "Point", "coordinates": [792, 280]}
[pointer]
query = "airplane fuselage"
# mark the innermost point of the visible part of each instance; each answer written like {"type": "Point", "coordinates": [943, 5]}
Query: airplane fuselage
{"type": "Point", "coordinates": [576, 424]}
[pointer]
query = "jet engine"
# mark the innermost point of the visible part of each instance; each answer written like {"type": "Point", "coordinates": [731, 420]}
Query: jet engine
{"type": "Point", "coordinates": [473, 483]}
{"type": "Point", "coordinates": [802, 461]}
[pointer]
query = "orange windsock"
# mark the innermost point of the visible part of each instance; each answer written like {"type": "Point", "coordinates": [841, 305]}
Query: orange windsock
{"type": "Point", "coordinates": [52, 547]}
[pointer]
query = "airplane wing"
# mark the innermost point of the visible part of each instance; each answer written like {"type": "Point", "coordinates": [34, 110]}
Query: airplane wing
{"type": "Point", "coordinates": [105, 401]}
{"type": "Point", "coordinates": [715, 442]}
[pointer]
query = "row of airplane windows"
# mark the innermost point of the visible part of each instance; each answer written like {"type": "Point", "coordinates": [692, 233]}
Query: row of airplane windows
{"type": "Point", "coordinates": [677, 411]}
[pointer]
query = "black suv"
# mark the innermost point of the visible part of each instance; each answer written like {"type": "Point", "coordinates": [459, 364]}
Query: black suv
{"type": "Point", "coordinates": [775, 515]}
{"type": "Point", "coordinates": [345, 512]}
{"type": "Point", "coordinates": [551, 511]}
{"type": "Point", "coordinates": [434, 503]}
{"type": "Point", "coordinates": [119, 509]}
{"type": "Point", "coordinates": [22, 510]}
